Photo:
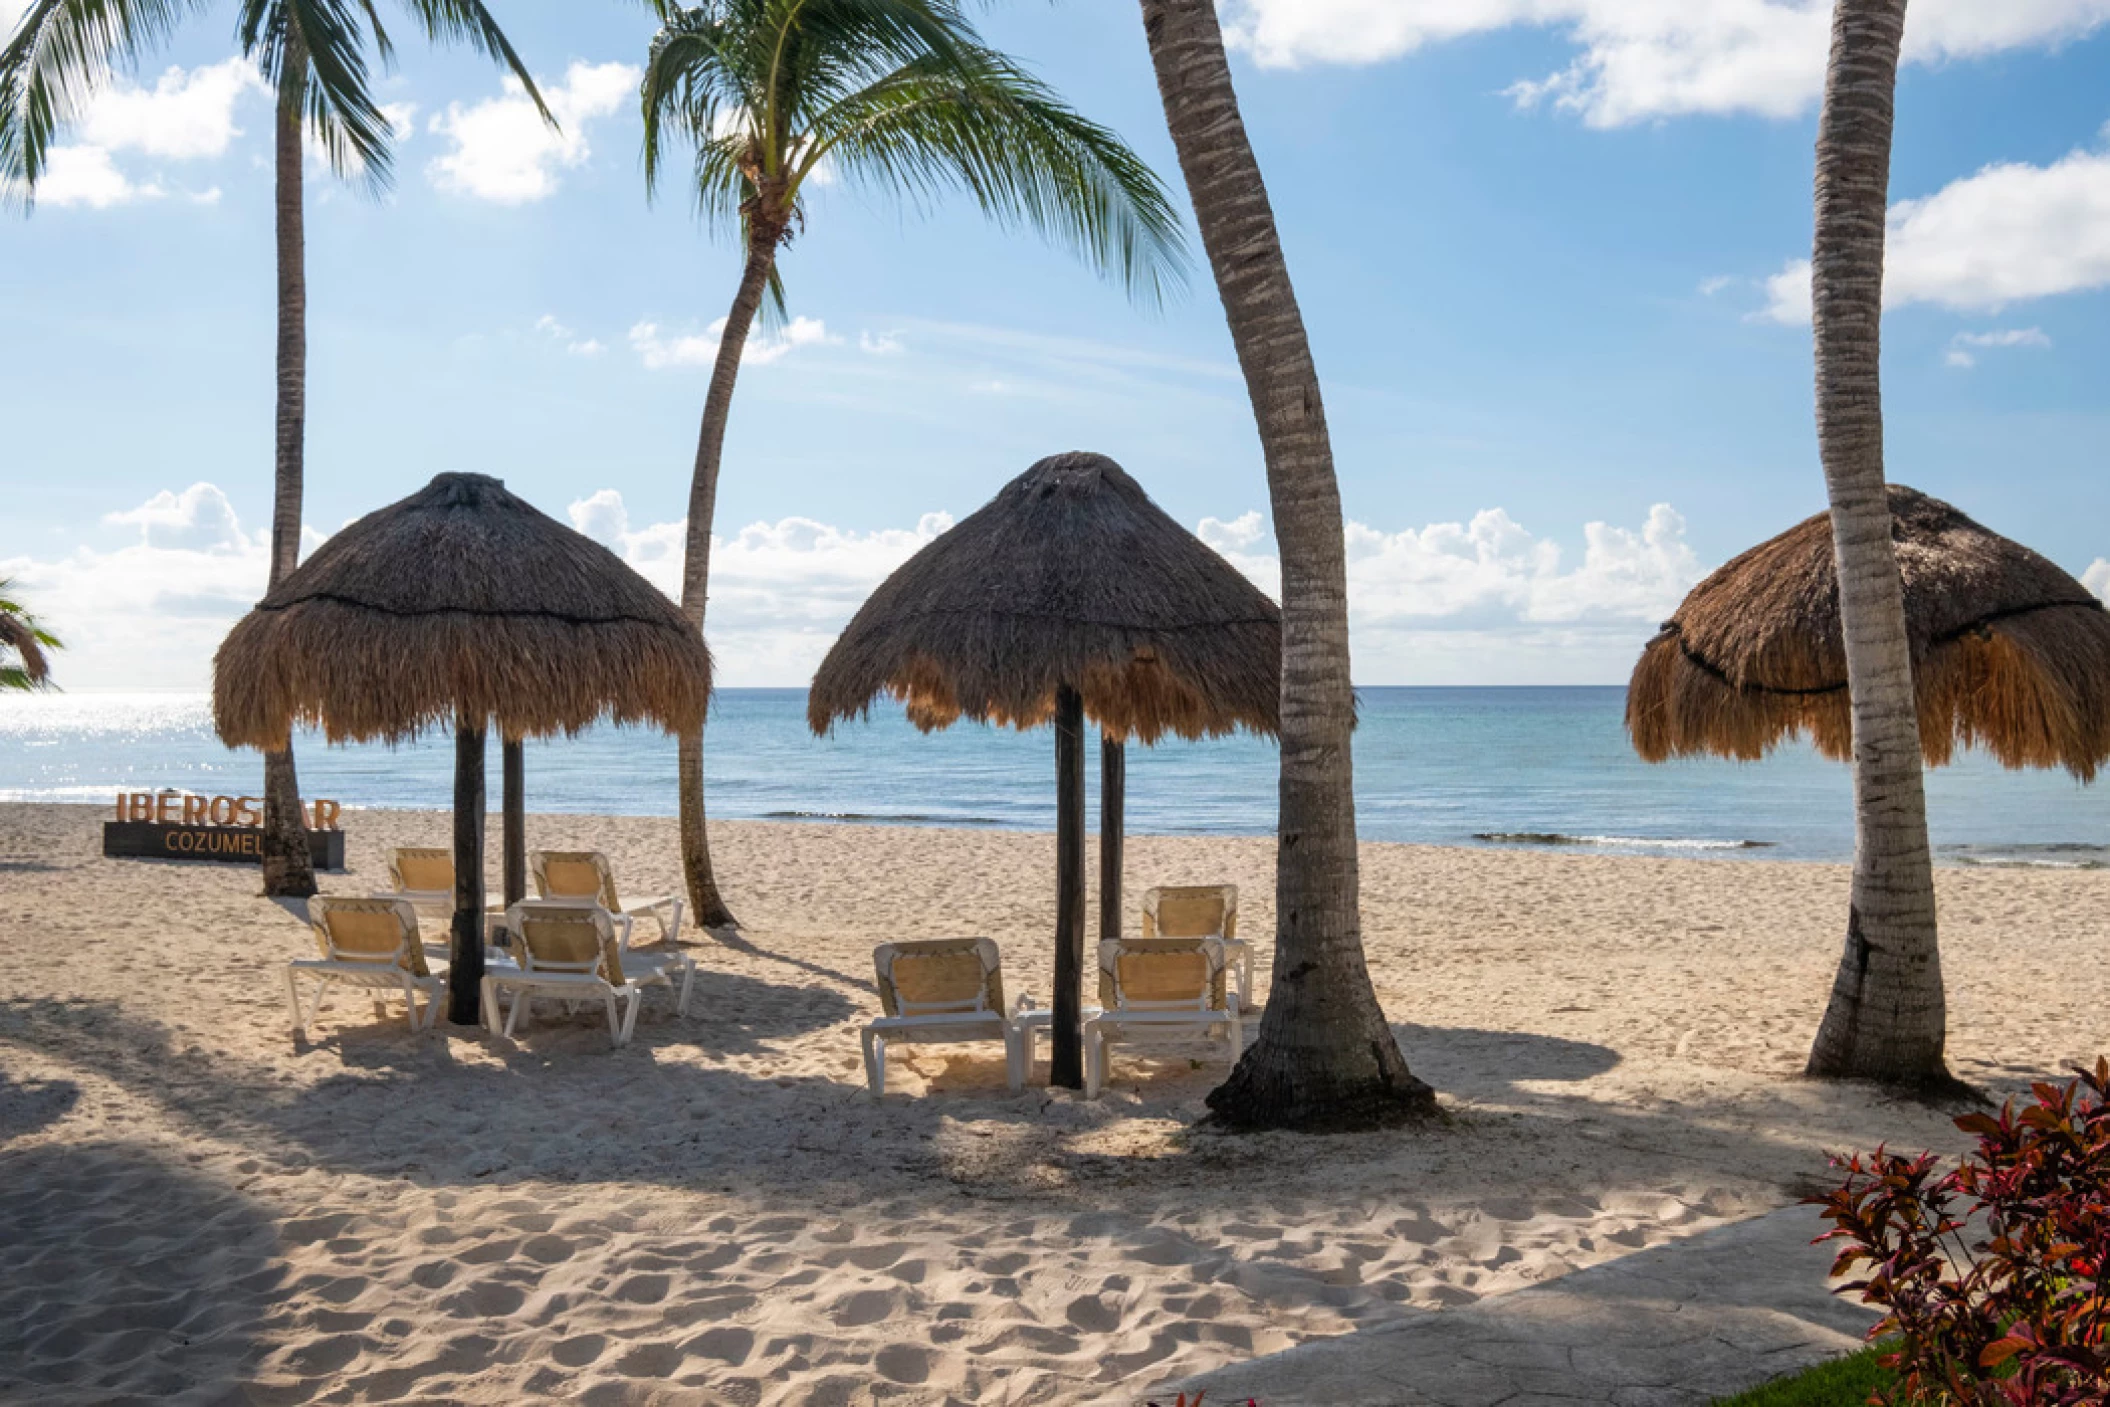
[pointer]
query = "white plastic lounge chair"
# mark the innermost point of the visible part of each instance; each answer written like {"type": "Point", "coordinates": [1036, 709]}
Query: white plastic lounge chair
{"type": "Point", "coordinates": [567, 949]}
{"type": "Point", "coordinates": [941, 991]}
{"type": "Point", "coordinates": [586, 875]}
{"type": "Point", "coordinates": [424, 877]}
{"type": "Point", "coordinates": [371, 943]}
{"type": "Point", "coordinates": [1201, 911]}
{"type": "Point", "coordinates": [1160, 988]}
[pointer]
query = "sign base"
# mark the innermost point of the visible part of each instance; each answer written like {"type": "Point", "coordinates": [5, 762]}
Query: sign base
{"type": "Point", "coordinates": [226, 845]}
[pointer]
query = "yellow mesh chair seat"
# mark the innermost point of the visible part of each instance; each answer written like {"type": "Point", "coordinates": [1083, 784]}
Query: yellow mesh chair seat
{"type": "Point", "coordinates": [1200, 911]}
{"type": "Point", "coordinates": [570, 949]}
{"type": "Point", "coordinates": [422, 871]}
{"type": "Point", "coordinates": [369, 943]}
{"type": "Point", "coordinates": [1161, 987]}
{"type": "Point", "coordinates": [586, 875]}
{"type": "Point", "coordinates": [940, 991]}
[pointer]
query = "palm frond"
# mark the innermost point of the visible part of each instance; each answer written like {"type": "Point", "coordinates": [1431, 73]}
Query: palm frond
{"type": "Point", "coordinates": [60, 53]}
{"type": "Point", "coordinates": [20, 632]}
{"type": "Point", "coordinates": [450, 21]}
{"type": "Point", "coordinates": [981, 124]}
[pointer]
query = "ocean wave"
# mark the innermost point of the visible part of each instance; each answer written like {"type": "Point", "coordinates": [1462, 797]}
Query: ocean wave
{"type": "Point", "coordinates": [881, 818]}
{"type": "Point", "coordinates": [2051, 855]}
{"type": "Point", "coordinates": [1616, 842]}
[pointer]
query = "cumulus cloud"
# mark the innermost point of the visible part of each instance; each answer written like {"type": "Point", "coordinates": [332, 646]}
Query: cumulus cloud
{"type": "Point", "coordinates": [658, 352]}
{"type": "Point", "coordinates": [186, 115]}
{"type": "Point", "coordinates": [2097, 578]}
{"type": "Point", "coordinates": [780, 592]}
{"type": "Point", "coordinates": [1964, 346]}
{"type": "Point", "coordinates": [149, 611]}
{"type": "Point", "coordinates": [2005, 234]}
{"type": "Point", "coordinates": [880, 344]}
{"type": "Point", "coordinates": [557, 332]}
{"type": "Point", "coordinates": [504, 152]}
{"type": "Point", "coordinates": [1638, 60]}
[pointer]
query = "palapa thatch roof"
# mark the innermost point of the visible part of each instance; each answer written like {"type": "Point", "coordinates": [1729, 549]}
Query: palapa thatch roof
{"type": "Point", "coordinates": [2009, 652]}
{"type": "Point", "coordinates": [1069, 575]}
{"type": "Point", "coordinates": [464, 598]}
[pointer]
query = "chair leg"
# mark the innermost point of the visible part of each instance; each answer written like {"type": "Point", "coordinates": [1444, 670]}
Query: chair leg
{"type": "Point", "coordinates": [523, 1000]}
{"type": "Point", "coordinates": [1015, 1058]}
{"type": "Point", "coordinates": [1094, 1060]}
{"type": "Point", "coordinates": [875, 1063]}
{"type": "Point", "coordinates": [672, 929]}
{"type": "Point", "coordinates": [489, 996]}
{"type": "Point", "coordinates": [633, 999]}
{"type": "Point", "coordinates": [688, 980]}
{"type": "Point", "coordinates": [300, 1025]}
{"type": "Point", "coordinates": [616, 1034]}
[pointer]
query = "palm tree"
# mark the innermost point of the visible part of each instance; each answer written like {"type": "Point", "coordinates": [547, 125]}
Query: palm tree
{"type": "Point", "coordinates": [1886, 1020]}
{"type": "Point", "coordinates": [313, 54]}
{"type": "Point", "coordinates": [897, 96]}
{"type": "Point", "coordinates": [20, 633]}
{"type": "Point", "coordinates": [1325, 1057]}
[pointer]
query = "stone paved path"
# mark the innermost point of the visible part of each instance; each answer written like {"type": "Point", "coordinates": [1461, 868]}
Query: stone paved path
{"type": "Point", "coordinates": [1676, 1325]}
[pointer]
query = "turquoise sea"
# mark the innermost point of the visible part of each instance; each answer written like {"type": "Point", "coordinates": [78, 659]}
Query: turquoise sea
{"type": "Point", "coordinates": [1464, 766]}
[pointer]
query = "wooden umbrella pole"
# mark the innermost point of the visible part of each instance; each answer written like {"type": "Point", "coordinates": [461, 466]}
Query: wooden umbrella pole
{"type": "Point", "coordinates": [1067, 1061]}
{"type": "Point", "coordinates": [1113, 799]}
{"type": "Point", "coordinates": [465, 970]}
{"type": "Point", "coordinates": [514, 764]}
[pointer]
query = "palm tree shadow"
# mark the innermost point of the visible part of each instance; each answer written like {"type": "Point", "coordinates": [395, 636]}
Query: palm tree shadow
{"type": "Point", "coordinates": [736, 941]}
{"type": "Point", "coordinates": [29, 1105]}
{"type": "Point", "coordinates": [1476, 1064]}
{"type": "Point", "coordinates": [124, 1277]}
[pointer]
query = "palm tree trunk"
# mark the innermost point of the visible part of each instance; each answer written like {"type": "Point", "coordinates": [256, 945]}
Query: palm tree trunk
{"type": "Point", "coordinates": [702, 884]}
{"type": "Point", "coordinates": [287, 867]}
{"type": "Point", "coordinates": [1325, 1057]}
{"type": "Point", "coordinates": [1886, 1020]}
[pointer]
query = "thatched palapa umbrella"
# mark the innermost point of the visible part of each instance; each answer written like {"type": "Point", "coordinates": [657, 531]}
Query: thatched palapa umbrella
{"type": "Point", "coordinates": [460, 605]}
{"type": "Point", "coordinates": [1070, 593]}
{"type": "Point", "coordinates": [2008, 652]}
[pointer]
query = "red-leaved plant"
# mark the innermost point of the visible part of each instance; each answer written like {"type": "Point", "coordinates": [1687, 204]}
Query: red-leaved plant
{"type": "Point", "coordinates": [1991, 1276]}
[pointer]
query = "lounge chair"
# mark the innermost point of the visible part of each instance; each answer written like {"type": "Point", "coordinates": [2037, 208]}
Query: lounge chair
{"type": "Point", "coordinates": [1201, 911]}
{"type": "Point", "coordinates": [1160, 988]}
{"type": "Point", "coordinates": [422, 876]}
{"type": "Point", "coordinates": [585, 875]}
{"type": "Point", "coordinates": [568, 949]}
{"type": "Point", "coordinates": [370, 943]}
{"type": "Point", "coordinates": [941, 991]}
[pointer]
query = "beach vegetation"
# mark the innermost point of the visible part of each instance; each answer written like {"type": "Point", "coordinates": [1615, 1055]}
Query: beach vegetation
{"type": "Point", "coordinates": [892, 97]}
{"type": "Point", "coordinates": [1887, 1019]}
{"type": "Point", "coordinates": [314, 55]}
{"type": "Point", "coordinates": [1991, 1274]}
{"type": "Point", "coordinates": [23, 664]}
{"type": "Point", "coordinates": [1840, 1382]}
{"type": "Point", "coordinates": [1325, 1057]}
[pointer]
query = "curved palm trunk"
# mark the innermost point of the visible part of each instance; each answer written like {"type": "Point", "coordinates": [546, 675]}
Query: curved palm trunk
{"type": "Point", "coordinates": [702, 884]}
{"type": "Point", "coordinates": [1325, 1057]}
{"type": "Point", "coordinates": [287, 870]}
{"type": "Point", "coordinates": [1886, 1019]}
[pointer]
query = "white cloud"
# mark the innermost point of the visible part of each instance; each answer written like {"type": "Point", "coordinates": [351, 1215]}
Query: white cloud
{"type": "Point", "coordinates": [880, 344]}
{"type": "Point", "coordinates": [1644, 59]}
{"type": "Point", "coordinates": [578, 346]}
{"type": "Point", "coordinates": [88, 176]}
{"type": "Point", "coordinates": [2097, 578]}
{"type": "Point", "coordinates": [780, 592]}
{"type": "Point", "coordinates": [1961, 346]}
{"type": "Point", "coordinates": [2008, 233]}
{"type": "Point", "coordinates": [658, 353]}
{"type": "Point", "coordinates": [149, 613]}
{"type": "Point", "coordinates": [185, 116]}
{"type": "Point", "coordinates": [504, 151]}
{"type": "Point", "coordinates": [1711, 286]}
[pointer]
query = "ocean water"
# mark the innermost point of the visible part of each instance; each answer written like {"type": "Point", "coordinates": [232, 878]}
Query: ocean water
{"type": "Point", "coordinates": [1462, 766]}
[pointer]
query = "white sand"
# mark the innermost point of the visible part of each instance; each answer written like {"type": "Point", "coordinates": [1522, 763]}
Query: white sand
{"type": "Point", "coordinates": [190, 1204]}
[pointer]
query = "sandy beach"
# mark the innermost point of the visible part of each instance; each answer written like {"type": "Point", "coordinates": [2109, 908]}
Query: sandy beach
{"type": "Point", "coordinates": [193, 1208]}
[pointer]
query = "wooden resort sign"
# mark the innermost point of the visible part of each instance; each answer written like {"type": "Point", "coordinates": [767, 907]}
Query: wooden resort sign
{"type": "Point", "coordinates": [181, 825]}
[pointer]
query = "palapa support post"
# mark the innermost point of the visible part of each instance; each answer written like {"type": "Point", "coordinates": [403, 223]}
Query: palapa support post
{"type": "Point", "coordinates": [1113, 787]}
{"type": "Point", "coordinates": [465, 969]}
{"type": "Point", "coordinates": [1066, 1062]}
{"type": "Point", "coordinates": [514, 764]}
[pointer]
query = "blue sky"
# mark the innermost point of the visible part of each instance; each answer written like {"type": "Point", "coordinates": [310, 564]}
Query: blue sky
{"type": "Point", "coordinates": [1546, 252]}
